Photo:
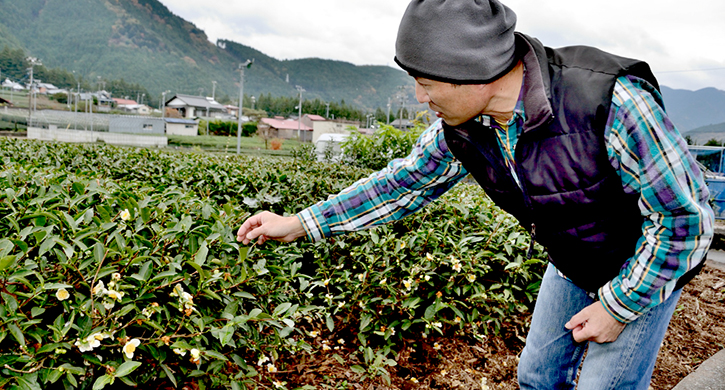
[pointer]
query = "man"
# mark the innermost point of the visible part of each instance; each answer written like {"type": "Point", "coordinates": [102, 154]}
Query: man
{"type": "Point", "coordinates": [575, 143]}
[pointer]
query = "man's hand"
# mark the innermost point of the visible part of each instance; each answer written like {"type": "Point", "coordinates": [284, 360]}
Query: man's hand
{"type": "Point", "coordinates": [269, 226]}
{"type": "Point", "coordinates": [594, 324]}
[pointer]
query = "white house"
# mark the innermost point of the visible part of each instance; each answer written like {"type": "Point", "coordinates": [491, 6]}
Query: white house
{"type": "Point", "coordinates": [12, 85]}
{"type": "Point", "coordinates": [196, 106]}
{"type": "Point", "coordinates": [176, 126]}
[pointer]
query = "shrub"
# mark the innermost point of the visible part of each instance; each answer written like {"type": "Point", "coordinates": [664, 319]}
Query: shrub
{"type": "Point", "coordinates": [227, 128]}
{"type": "Point", "coordinates": [386, 144]}
{"type": "Point", "coordinates": [120, 265]}
{"type": "Point", "coordinates": [276, 144]}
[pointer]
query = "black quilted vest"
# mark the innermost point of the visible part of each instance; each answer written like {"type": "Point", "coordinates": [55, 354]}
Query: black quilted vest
{"type": "Point", "coordinates": [570, 196]}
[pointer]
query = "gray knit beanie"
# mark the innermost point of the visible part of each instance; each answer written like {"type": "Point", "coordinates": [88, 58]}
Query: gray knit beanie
{"type": "Point", "coordinates": [457, 41]}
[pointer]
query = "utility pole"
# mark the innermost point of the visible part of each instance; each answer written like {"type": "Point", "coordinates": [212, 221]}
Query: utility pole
{"type": "Point", "coordinates": [401, 96]}
{"type": "Point", "coordinates": [163, 105]}
{"type": "Point", "coordinates": [33, 62]}
{"type": "Point", "coordinates": [299, 114]}
{"type": "Point", "coordinates": [388, 120]}
{"type": "Point", "coordinates": [98, 87]}
{"type": "Point", "coordinates": [327, 110]}
{"type": "Point", "coordinates": [90, 110]}
{"type": "Point", "coordinates": [246, 65]}
{"type": "Point", "coordinates": [75, 109]}
{"type": "Point", "coordinates": [213, 90]}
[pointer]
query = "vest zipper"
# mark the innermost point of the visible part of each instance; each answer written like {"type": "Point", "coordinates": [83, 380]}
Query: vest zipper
{"type": "Point", "coordinates": [530, 252]}
{"type": "Point", "coordinates": [527, 201]}
{"type": "Point", "coordinates": [522, 185]}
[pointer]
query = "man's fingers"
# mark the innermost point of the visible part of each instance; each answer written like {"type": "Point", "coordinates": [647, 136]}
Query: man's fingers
{"type": "Point", "coordinates": [581, 333]}
{"type": "Point", "coordinates": [248, 226]}
{"type": "Point", "coordinates": [576, 321]}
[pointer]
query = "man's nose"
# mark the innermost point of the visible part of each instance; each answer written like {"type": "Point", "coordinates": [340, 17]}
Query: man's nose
{"type": "Point", "coordinates": [420, 94]}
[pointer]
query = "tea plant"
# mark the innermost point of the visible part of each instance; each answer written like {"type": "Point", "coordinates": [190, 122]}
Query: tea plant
{"type": "Point", "coordinates": [120, 265]}
{"type": "Point", "coordinates": [375, 151]}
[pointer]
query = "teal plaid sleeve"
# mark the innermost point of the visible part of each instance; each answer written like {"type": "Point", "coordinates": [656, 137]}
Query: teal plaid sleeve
{"type": "Point", "coordinates": [653, 160]}
{"type": "Point", "coordinates": [400, 189]}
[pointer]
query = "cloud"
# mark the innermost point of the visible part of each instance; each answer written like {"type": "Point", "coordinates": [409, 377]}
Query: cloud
{"type": "Point", "coordinates": [668, 34]}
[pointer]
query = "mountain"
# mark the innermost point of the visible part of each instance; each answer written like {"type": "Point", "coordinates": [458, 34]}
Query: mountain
{"type": "Point", "coordinates": [701, 135]}
{"type": "Point", "coordinates": [693, 109]}
{"type": "Point", "coordinates": [141, 41]}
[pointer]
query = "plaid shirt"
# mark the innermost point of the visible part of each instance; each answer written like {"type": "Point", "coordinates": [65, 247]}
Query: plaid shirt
{"type": "Point", "coordinates": [643, 146]}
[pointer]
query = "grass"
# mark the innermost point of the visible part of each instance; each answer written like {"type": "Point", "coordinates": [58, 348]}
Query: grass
{"type": "Point", "coordinates": [19, 99]}
{"type": "Point", "coordinates": [228, 144]}
{"type": "Point", "coordinates": [11, 126]}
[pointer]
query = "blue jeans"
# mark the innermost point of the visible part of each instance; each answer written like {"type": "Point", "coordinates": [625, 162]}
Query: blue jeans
{"type": "Point", "coordinates": [551, 357]}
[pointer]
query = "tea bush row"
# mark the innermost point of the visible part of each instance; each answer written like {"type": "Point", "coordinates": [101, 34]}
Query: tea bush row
{"type": "Point", "coordinates": [120, 264]}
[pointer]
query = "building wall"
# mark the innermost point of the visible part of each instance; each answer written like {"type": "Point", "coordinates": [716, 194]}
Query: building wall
{"type": "Point", "coordinates": [305, 135]}
{"type": "Point", "coordinates": [62, 135]}
{"type": "Point", "coordinates": [135, 125]}
{"type": "Point", "coordinates": [182, 129]}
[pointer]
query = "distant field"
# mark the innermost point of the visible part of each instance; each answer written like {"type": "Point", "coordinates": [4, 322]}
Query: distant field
{"type": "Point", "coordinates": [248, 145]}
{"type": "Point", "coordinates": [19, 99]}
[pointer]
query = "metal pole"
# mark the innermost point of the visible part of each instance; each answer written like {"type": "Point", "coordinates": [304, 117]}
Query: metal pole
{"type": "Point", "coordinates": [75, 109]}
{"type": "Point", "coordinates": [246, 64]}
{"type": "Point", "coordinates": [299, 114]}
{"type": "Point", "coordinates": [388, 120]}
{"type": "Point", "coordinates": [163, 104]}
{"type": "Point", "coordinates": [30, 97]}
{"type": "Point", "coordinates": [90, 109]}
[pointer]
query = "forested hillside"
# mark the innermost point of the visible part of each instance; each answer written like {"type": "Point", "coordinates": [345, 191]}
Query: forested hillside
{"type": "Point", "coordinates": [143, 43]}
{"type": "Point", "coordinates": [692, 109]}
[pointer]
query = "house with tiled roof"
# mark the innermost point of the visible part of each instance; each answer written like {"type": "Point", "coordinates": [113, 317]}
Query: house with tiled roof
{"type": "Point", "coordinates": [310, 119]}
{"type": "Point", "coordinates": [284, 128]}
{"type": "Point", "coordinates": [123, 102]}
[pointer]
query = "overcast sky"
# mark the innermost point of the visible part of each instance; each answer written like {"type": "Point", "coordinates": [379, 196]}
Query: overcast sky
{"type": "Point", "coordinates": [682, 40]}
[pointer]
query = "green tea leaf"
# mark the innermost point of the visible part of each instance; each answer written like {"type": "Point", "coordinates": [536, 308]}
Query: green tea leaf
{"type": "Point", "coordinates": [144, 272]}
{"type": "Point", "coordinates": [169, 374]}
{"type": "Point", "coordinates": [10, 301]}
{"type": "Point", "coordinates": [126, 368]}
{"type": "Point", "coordinates": [56, 286]}
{"type": "Point", "coordinates": [279, 310]}
{"type": "Point", "coordinates": [6, 262]}
{"type": "Point", "coordinates": [200, 257]}
{"type": "Point", "coordinates": [99, 253]}
{"type": "Point", "coordinates": [102, 381]}
{"type": "Point", "coordinates": [16, 332]}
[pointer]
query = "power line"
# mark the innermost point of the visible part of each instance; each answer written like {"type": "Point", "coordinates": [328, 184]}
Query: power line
{"type": "Point", "coordinates": [691, 70]}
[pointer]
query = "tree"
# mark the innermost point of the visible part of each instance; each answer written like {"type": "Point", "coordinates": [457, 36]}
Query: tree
{"type": "Point", "coordinates": [13, 63]}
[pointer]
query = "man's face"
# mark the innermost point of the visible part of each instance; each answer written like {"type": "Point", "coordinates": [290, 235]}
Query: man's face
{"type": "Point", "coordinates": [456, 104]}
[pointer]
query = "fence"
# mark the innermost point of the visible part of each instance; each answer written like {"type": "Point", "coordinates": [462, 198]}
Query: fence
{"type": "Point", "coordinates": [711, 157]}
{"type": "Point", "coordinates": [712, 161]}
{"type": "Point", "coordinates": [69, 120]}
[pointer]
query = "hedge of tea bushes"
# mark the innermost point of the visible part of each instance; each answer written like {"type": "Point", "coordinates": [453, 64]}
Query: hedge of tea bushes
{"type": "Point", "coordinates": [119, 265]}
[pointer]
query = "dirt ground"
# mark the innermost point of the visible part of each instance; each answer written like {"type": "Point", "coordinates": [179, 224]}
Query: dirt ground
{"type": "Point", "coordinates": [697, 331]}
